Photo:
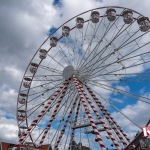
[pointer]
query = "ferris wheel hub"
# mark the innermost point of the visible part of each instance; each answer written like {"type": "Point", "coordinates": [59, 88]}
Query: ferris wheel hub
{"type": "Point", "coordinates": [68, 72]}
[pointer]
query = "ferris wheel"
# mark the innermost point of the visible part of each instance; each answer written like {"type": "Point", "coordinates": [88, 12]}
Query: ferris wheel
{"type": "Point", "coordinates": [65, 97]}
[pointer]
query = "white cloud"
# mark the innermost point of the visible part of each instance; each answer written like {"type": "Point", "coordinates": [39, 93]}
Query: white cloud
{"type": "Point", "coordinates": [117, 100]}
{"type": "Point", "coordinates": [9, 130]}
{"type": "Point", "coordinates": [124, 88]}
{"type": "Point", "coordinates": [8, 100]}
{"type": "Point", "coordinates": [137, 113]}
{"type": "Point", "coordinates": [14, 72]}
{"type": "Point", "coordinates": [24, 28]}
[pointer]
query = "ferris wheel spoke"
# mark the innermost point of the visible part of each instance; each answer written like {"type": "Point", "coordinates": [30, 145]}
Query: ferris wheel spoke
{"type": "Point", "coordinates": [40, 85]}
{"type": "Point", "coordinates": [86, 30]}
{"type": "Point", "coordinates": [50, 75]}
{"type": "Point", "coordinates": [65, 145]}
{"type": "Point", "coordinates": [89, 44]}
{"type": "Point", "coordinates": [37, 107]}
{"type": "Point", "coordinates": [113, 53]}
{"type": "Point", "coordinates": [62, 52]}
{"type": "Point", "coordinates": [123, 80]}
{"type": "Point", "coordinates": [105, 58]}
{"type": "Point", "coordinates": [106, 31]}
{"type": "Point", "coordinates": [46, 90]}
{"type": "Point", "coordinates": [131, 66]}
{"type": "Point", "coordinates": [134, 50]}
{"type": "Point", "coordinates": [128, 58]}
{"type": "Point", "coordinates": [108, 56]}
{"type": "Point", "coordinates": [63, 115]}
{"type": "Point", "coordinates": [120, 60]}
{"type": "Point", "coordinates": [139, 55]}
{"type": "Point", "coordinates": [50, 69]}
{"type": "Point", "coordinates": [90, 117]}
{"type": "Point", "coordinates": [56, 86]}
{"type": "Point", "coordinates": [53, 115]}
{"type": "Point", "coordinates": [88, 139]}
{"type": "Point", "coordinates": [47, 80]}
{"type": "Point", "coordinates": [53, 78]}
{"type": "Point", "coordinates": [123, 91]}
{"type": "Point", "coordinates": [116, 70]}
{"type": "Point", "coordinates": [86, 36]}
{"type": "Point", "coordinates": [46, 85]}
{"type": "Point", "coordinates": [71, 46]}
{"type": "Point", "coordinates": [108, 117]}
{"type": "Point", "coordinates": [76, 55]}
{"type": "Point", "coordinates": [119, 111]}
{"type": "Point", "coordinates": [46, 75]}
{"type": "Point", "coordinates": [110, 134]}
{"type": "Point", "coordinates": [95, 29]}
{"type": "Point", "coordinates": [125, 44]}
{"type": "Point", "coordinates": [124, 29]}
{"type": "Point", "coordinates": [81, 91]}
{"type": "Point", "coordinates": [45, 109]}
{"type": "Point", "coordinates": [65, 125]}
{"type": "Point", "coordinates": [83, 37]}
{"type": "Point", "coordinates": [42, 104]}
{"type": "Point", "coordinates": [95, 49]}
{"type": "Point", "coordinates": [132, 74]}
{"type": "Point", "coordinates": [116, 36]}
{"type": "Point", "coordinates": [120, 91]}
{"type": "Point", "coordinates": [74, 123]}
{"type": "Point", "coordinates": [55, 61]}
{"type": "Point", "coordinates": [62, 105]}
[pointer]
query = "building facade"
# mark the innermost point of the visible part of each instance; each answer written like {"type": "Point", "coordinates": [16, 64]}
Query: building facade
{"type": "Point", "coordinates": [10, 146]}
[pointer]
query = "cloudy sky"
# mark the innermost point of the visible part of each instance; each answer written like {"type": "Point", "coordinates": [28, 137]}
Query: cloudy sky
{"type": "Point", "coordinates": [24, 25]}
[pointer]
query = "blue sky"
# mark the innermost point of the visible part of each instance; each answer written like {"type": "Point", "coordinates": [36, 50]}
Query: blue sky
{"type": "Point", "coordinates": [57, 3]}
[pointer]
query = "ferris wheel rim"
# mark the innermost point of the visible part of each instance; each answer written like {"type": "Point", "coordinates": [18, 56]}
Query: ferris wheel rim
{"type": "Point", "coordinates": [51, 47]}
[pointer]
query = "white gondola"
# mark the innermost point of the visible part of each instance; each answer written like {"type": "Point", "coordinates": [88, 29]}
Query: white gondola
{"type": "Point", "coordinates": [111, 14]}
{"type": "Point", "coordinates": [22, 100]}
{"type": "Point", "coordinates": [33, 67]}
{"type": "Point", "coordinates": [95, 16]}
{"type": "Point", "coordinates": [27, 82]}
{"type": "Point", "coordinates": [42, 53]}
{"type": "Point", "coordinates": [21, 117]}
{"type": "Point", "coordinates": [53, 41]}
{"type": "Point", "coordinates": [127, 16]}
{"type": "Point", "coordinates": [144, 24]}
{"type": "Point", "coordinates": [65, 31]}
{"type": "Point", "coordinates": [79, 22]}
